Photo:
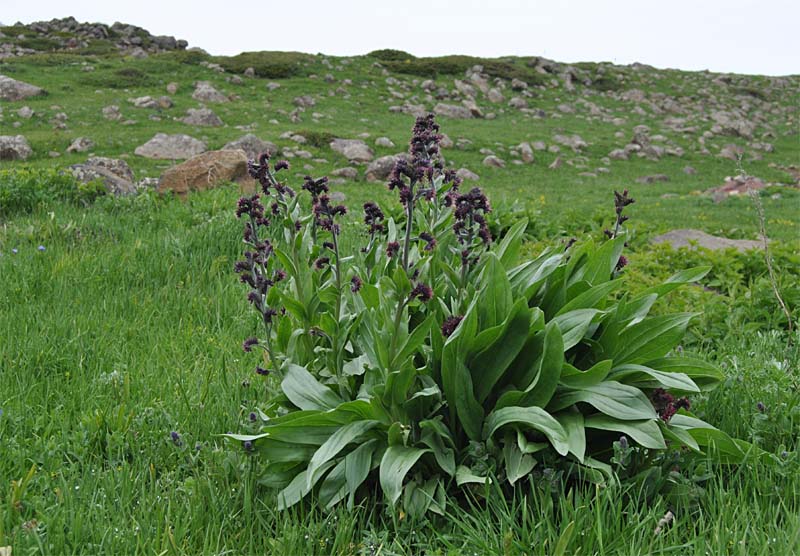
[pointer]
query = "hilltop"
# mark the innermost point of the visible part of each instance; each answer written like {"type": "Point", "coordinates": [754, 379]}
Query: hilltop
{"type": "Point", "coordinates": [531, 129]}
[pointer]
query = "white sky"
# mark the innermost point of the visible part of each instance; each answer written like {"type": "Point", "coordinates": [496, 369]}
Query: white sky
{"type": "Point", "coordinates": [742, 36]}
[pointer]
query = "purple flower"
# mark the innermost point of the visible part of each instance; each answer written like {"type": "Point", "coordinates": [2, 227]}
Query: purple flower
{"type": "Point", "coordinates": [450, 324]}
{"type": "Point", "coordinates": [431, 241]}
{"type": "Point", "coordinates": [41, 248]}
{"type": "Point", "coordinates": [281, 165]}
{"type": "Point", "coordinates": [247, 445]}
{"type": "Point", "coordinates": [262, 371]}
{"type": "Point", "coordinates": [355, 284]}
{"type": "Point", "coordinates": [761, 407]}
{"type": "Point", "coordinates": [15, 250]}
{"type": "Point", "coordinates": [622, 262]}
{"type": "Point", "coordinates": [322, 262]}
{"type": "Point", "coordinates": [253, 417]}
{"type": "Point", "coordinates": [623, 442]}
{"type": "Point", "coordinates": [249, 343]}
{"type": "Point", "coordinates": [421, 291]}
{"type": "Point", "coordinates": [176, 438]}
{"type": "Point", "coordinates": [392, 248]}
{"type": "Point", "coordinates": [373, 216]}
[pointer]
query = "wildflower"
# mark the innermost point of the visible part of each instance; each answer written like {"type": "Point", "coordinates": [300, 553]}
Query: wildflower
{"type": "Point", "coordinates": [761, 407]}
{"type": "Point", "coordinates": [249, 343]}
{"type": "Point", "coordinates": [355, 284]}
{"type": "Point", "coordinates": [176, 438]}
{"type": "Point", "coordinates": [253, 417]}
{"type": "Point", "coordinates": [281, 165]}
{"type": "Point", "coordinates": [373, 215]}
{"type": "Point", "coordinates": [623, 442]}
{"type": "Point", "coordinates": [198, 447]}
{"type": "Point", "coordinates": [392, 248]}
{"type": "Point", "coordinates": [431, 241]}
{"type": "Point", "coordinates": [41, 248]}
{"type": "Point", "coordinates": [622, 262]}
{"type": "Point", "coordinates": [421, 291]}
{"type": "Point", "coordinates": [322, 262]}
{"type": "Point", "coordinates": [316, 187]}
{"type": "Point", "coordinates": [247, 445]}
{"type": "Point", "coordinates": [666, 405]}
{"type": "Point", "coordinates": [450, 324]}
{"type": "Point", "coordinates": [262, 371]}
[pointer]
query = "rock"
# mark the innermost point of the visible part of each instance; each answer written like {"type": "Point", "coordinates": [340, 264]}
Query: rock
{"type": "Point", "coordinates": [652, 179]}
{"type": "Point", "coordinates": [252, 146]}
{"type": "Point", "coordinates": [697, 238]}
{"type": "Point", "coordinates": [473, 108]}
{"type": "Point", "coordinates": [14, 147]}
{"type": "Point", "coordinates": [518, 103]}
{"type": "Point", "coordinates": [271, 86]}
{"type": "Point", "coordinates": [204, 91]}
{"type": "Point", "coordinates": [641, 136]}
{"type": "Point", "coordinates": [465, 88]}
{"type": "Point", "coordinates": [164, 102]}
{"type": "Point", "coordinates": [25, 112]}
{"type": "Point", "coordinates": [428, 85]}
{"type": "Point", "coordinates": [80, 145]}
{"type": "Point", "coordinates": [202, 117]}
{"type": "Point", "coordinates": [466, 174]}
{"type": "Point", "coordinates": [207, 171]}
{"type": "Point", "coordinates": [539, 146]}
{"type": "Point", "coordinates": [518, 85]}
{"type": "Point", "coordinates": [144, 102]}
{"type": "Point", "coordinates": [575, 142]}
{"type": "Point", "coordinates": [446, 142]}
{"type": "Point", "coordinates": [114, 173]}
{"type": "Point", "coordinates": [556, 164]}
{"type": "Point", "coordinates": [689, 170]}
{"type": "Point", "coordinates": [737, 185]}
{"type": "Point", "coordinates": [731, 152]}
{"type": "Point", "coordinates": [163, 146]}
{"type": "Point", "coordinates": [348, 173]}
{"type": "Point", "coordinates": [618, 154]}
{"type": "Point", "coordinates": [11, 89]}
{"type": "Point", "coordinates": [494, 162]}
{"type": "Point", "coordinates": [728, 123]}
{"type": "Point", "coordinates": [384, 142]}
{"type": "Point", "coordinates": [305, 101]}
{"type": "Point", "coordinates": [380, 168]}
{"type": "Point", "coordinates": [452, 111]}
{"type": "Point", "coordinates": [250, 72]}
{"type": "Point", "coordinates": [526, 152]}
{"type": "Point", "coordinates": [494, 95]}
{"type": "Point", "coordinates": [112, 113]}
{"type": "Point", "coordinates": [172, 88]}
{"type": "Point", "coordinates": [354, 150]}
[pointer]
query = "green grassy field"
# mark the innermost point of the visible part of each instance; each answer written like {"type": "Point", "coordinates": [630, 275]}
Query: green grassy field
{"type": "Point", "coordinates": [127, 327]}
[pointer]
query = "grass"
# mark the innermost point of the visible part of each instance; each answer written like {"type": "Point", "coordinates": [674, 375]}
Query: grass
{"type": "Point", "coordinates": [128, 326]}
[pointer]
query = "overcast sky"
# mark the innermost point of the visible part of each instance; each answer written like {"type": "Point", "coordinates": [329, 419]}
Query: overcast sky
{"type": "Point", "coordinates": [743, 36]}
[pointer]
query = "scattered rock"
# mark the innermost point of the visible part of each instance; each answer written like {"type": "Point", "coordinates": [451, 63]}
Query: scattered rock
{"type": "Point", "coordinates": [112, 113]}
{"type": "Point", "coordinates": [737, 185]}
{"type": "Point", "coordinates": [466, 174]}
{"type": "Point", "coordinates": [252, 146]}
{"type": "Point", "coordinates": [618, 154]}
{"type": "Point", "coordinates": [14, 147]}
{"type": "Point", "coordinates": [452, 111]}
{"type": "Point", "coordinates": [384, 142]}
{"type": "Point", "coordinates": [172, 88]}
{"type": "Point", "coordinates": [526, 152]}
{"type": "Point", "coordinates": [354, 150]}
{"type": "Point", "coordinates": [25, 112]}
{"type": "Point", "coordinates": [348, 173]}
{"type": "Point", "coordinates": [80, 145]}
{"type": "Point", "coordinates": [380, 168]}
{"type": "Point", "coordinates": [556, 164]}
{"type": "Point", "coordinates": [518, 103]}
{"type": "Point", "coordinates": [689, 170]}
{"type": "Point", "coordinates": [305, 101]}
{"type": "Point", "coordinates": [494, 162]}
{"type": "Point", "coordinates": [731, 152]}
{"type": "Point", "coordinates": [171, 147]}
{"type": "Point", "coordinates": [653, 179]}
{"type": "Point", "coordinates": [495, 96]}
{"type": "Point", "coordinates": [202, 117]}
{"type": "Point", "coordinates": [204, 91]}
{"type": "Point", "coordinates": [11, 89]}
{"type": "Point", "coordinates": [207, 171]}
{"type": "Point", "coordinates": [114, 173]}
{"type": "Point", "coordinates": [575, 142]}
{"type": "Point", "coordinates": [698, 238]}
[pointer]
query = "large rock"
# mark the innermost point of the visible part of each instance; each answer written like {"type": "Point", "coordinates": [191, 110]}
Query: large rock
{"type": "Point", "coordinates": [355, 150]}
{"type": "Point", "coordinates": [80, 145]}
{"type": "Point", "coordinates": [202, 117]}
{"type": "Point", "coordinates": [728, 123]}
{"type": "Point", "coordinates": [204, 91]}
{"type": "Point", "coordinates": [452, 111]}
{"type": "Point", "coordinates": [380, 168]}
{"type": "Point", "coordinates": [114, 173]}
{"type": "Point", "coordinates": [699, 238]}
{"type": "Point", "coordinates": [252, 146]}
{"type": "Point", "coordinates": [207, 171]}
{"type": "Point", "coordinates": [163, 146]}
{"type": "Point", "coordinates": [14, 147]}
{"type": "Point", "coordinates": [11, 89]}
{"type": "Point", "coordinates": [575, 142]}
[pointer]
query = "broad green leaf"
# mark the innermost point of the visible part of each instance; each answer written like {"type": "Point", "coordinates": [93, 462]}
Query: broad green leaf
{"type": "Point", "coordinates": [276, 451]}
{"type": "Point", "coordinates": [603, 261]}
{"type": "Point", "coordinates": [304, 391]}
{"type": "Point", "coordinates": [645, 377]}
{"type": "Point", "coordinates": [465, 475]}
{"type": "Point", "coordinates": [564, 539]}
{"type": "Point", "coordinates": [572, 421]}
{"type": "Point", "coordinates": [395, 464]}
{"type": "Point", "coordinates": [470, 412]}
{"type": "Point", "coordinates": [537, 368]}
{"type": "Point", "coordinates": [645, 432]}
{"type": "Point", "coordinates": [335, 444]}
{"type": "Point", "coordinates": [591, 298]}
{"type": "Point", "coordinates": [413, 341]}
{"type": "Point", "coordinates": [574, 324]}
{"type": "Point", "coordinates": [518, 464]}
{"type": "Point", "coordinates": [528, 278]}
{"type": "Point", "coordinates": [683, 277]}
{"type": "Point", "coordinates": [610, 397]}
{"type": "Point", "coordinates": [508, 249]}
{"type": "Point", "coordinates": [357, 465]}
{"type": "Point", "coordinates": [445, 456]}
{"type": "Point", "coordinates": [533, 417]}
{"type": "Point", "coordinates": [680, 436]}
{"type": "Point", "coordinates": [297, 489]}
{"type": "Point", "coordinates": [576, 378]}
{"type": "Point", "coordinates": [494, 299]}
{"type": "Point", "coordinates": [704, 374]}
{"type": "Point", "coordinates": [652, 338]}
{"type": "Point", "coordinates": [489, 365]}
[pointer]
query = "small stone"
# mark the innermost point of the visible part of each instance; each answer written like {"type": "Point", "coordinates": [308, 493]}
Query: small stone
{"type": "Point", "coordinates": [80, 145]}
{"type": "Point", "coordinates": [494, 162]}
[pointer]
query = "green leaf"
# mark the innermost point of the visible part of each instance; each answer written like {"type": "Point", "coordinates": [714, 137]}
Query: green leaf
{"type": "Point", "coordinates": [297, 489]}
{"type": "Point", "coordinates": [704, 374]}
{"type": "Point", "coordinates": [683, 277]}
{"type": "Point", "coordinates": [610, 397]}
{"type": "Point", "coordinates": [357, 465]}
{"type": "Point", "coordinates": [651, 338]}
{"type": "Point", "coordinates": [537, 368]}
{"type": "Point", "coordinates": [564, 539]}
{"type": "Point", "coordinates": [574, 324]}
{"type": "Point", "coordinates": [494, 299]}
{"type": "Point", "coordinates": [591, 297]}
{"type": "Point", "coordinates": [413, 341]}
{"type": "Point", "coordinates": [465, 475]}
{"type": "Point", "coordinates": [488, 366]}
{"type": "Point", "coordinates": [527, 279]}
{"type": "Point", "coordinates": [645, 377]}
{"type": "Point", "coordinates": [304, 391]}
{"type": "Point", "coordinates": [445, 457]}
{"type": "Point", "coordinates": [508, 249]}
{"type": "Point", "coordinates": [395, 464]}
{"type": "Point", "coordinates": [644, 432]}
{"type": "Point", "coordinates": [680, 436]}
{"type": "Point", "coordinates": [517, 464]}
{"type": "Point", "coordinates": [603, 261]}
{"type": "Point", "coordinates": [470, 412]}
{"type": "Point", "coordinates": [576, 378]}
{"type": "Point", "coordinates": [534, 417]}
{"type": "Point", "coordinates": [572, 421]}
{"type": "Point", "coordinates": [335, 444]}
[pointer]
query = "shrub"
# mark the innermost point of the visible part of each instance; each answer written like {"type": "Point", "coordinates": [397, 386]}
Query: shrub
{"type": "Point", "coordinates": [318, 139]}
{"type": "Point", "coordinates": [456, 65]}
{"type": "Point", "coordinates": [24, 190]}
{"type": "Point", "coordinates": [430, 360]}
{"type": "Point", "coordinates": [39, 43]}
{"type": "Point", "coordinates": [123, 78]}
{"type": "Point", "coordinates": [390, 55]}
{"type": "Point", "coordinates": [189, 57]}
{"type": "Point", "coordinates": [272, 65]}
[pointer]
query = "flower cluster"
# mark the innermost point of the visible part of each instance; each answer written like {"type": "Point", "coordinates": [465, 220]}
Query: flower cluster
{"type": "Point", "coordinates": [373, 217]}
{"type": "Point", "coordinates": [470, 221]}
{"type": "Point", "coordinates": [425, 162]}
{"type": "Point", "coordinates": [621, 200]}
{"type": "Point", "coordinates": [666, 405]}
{"type": "Point", "coordinates": [450, 324]}
{"type": "Point", "coordinates": [260, 171]}
{"type": "Point", "coordinates": [324, 213]}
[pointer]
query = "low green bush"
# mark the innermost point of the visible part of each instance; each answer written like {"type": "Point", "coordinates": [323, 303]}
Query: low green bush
{"type": "Point", "coordinates": [390, 55]}
{"type": "Point", "coordinates": [318, 139]}
{"type": "Point", "coordinates": [123, 78]}
{"type": "Point", "coordinates": [456, 65]}
{"type": "Point", "coordinates": [24, 190]}
{"type": "Point", "coordinates": [271, 65]}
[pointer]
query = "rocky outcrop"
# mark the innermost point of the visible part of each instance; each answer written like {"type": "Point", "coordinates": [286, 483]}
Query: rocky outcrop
{"type": "Point", "coordinates": [114, 173]}
{"type": "Point", "coordinates": [204, 91]}
{"type": "Point", "coordinates": [202, 117]}
{"type": "Point", "coordinates": [698, 238]}
{"type": "Point", "coordinates": [207, 171]}
{"type": "Point", "coordinates": [11, 89]}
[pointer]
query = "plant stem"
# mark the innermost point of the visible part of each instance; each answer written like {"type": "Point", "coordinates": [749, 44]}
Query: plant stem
{"type": "Point", "coordinates": [409, 216]}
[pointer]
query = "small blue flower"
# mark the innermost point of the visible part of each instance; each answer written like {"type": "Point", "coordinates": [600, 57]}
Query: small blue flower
{"type": "Point", "coordinates": [41, 248]}
{"type": "Point", "coordinates": [15, 250]}
{"type": "Point", "coordinates": [248, 445]}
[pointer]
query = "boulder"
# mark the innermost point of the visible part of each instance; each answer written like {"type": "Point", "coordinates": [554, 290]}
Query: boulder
{"type": "Point", "coordinates": [354, 150]}
{"type": "Point", "coordinates": [728, 123]}
{"type": "Point", "coordinates": [452, 111]}
{"type": "Point", "coordinates": [575, 142]}
{"type": "Point", "coordinates": [163, 146]}
{"type": "Point", "coordinates": [305, 101]}
{"type": "Point", "coordinates": [202, 117]}
{"type": "Point", "coordinates": [494, 162]}
{"type": "Point", "coordinates": [737, 185]}
{"type": "Point", "coordinates": [14, 147]}
{"type": "Point", "coordinates": [494, 95]}
{"type": "Point", "coordinates": [112, 112]}
{"type": "Point", "coordinates": [207, 171]}
{"type": "Point", "coordinates": [384, 142]}
{"type": "Point", "coordinates": [204, 91]}
{"type": "Point", "coordinates": [518, 103]}
{"type": "Point", "coordinates": [380, 168]}
{"type": "Point", "coordinates": [466, 174]}
{"type": "Point", "coordinates": [526, 152]}
{"type": "Point", "coordinates": [80, 145]}
{"type": "Point", "coordinates": [652, 179]}
{"type": "Point", "coordinates": [698, 238]}
{"type": "Point", "coordinates": [252, 146]}
{"type": "Point", "coordinates": [114, 173]}
{"type": "Point", "coordinates": [348, 173]}
{"type": "Point", "coordinates": [11, 89]}
{"type": "Point", "coordinates": [25, 112]}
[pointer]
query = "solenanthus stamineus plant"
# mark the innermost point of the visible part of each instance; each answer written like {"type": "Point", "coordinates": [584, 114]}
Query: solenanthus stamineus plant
{"type": "Point", "coordinates": [426, 357]}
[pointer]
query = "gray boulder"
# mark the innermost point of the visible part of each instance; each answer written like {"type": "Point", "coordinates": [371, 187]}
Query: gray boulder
{"type": "Point", "coordinates": [380, 168]}
{"type": "Point", "coordinates": [204, 91]}
{"type": "Point", "coordinates": [452, 111]}
{"type": "Point", "coordinates": [11, 89]}
{"type": "Point", "coordinates": [14, 147]}
{"type": "Point", "coordinates": [252, 146]}
{"type": "Point", "coordinates": [114, 173]}
{"type": "Point", "coordinates": [80, 145]}
{"type": "Point", "coordinates": [698, 238]}
{"type": "Point", "coordinates": [202, 117]}
{"type": "Point", "coordinates": [171, 147]}
{"type": "Point", "coordinates": [354, 150]}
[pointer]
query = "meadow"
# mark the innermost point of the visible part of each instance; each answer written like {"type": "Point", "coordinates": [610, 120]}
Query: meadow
{"type": "Point", "coordinates": [121, 323]}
